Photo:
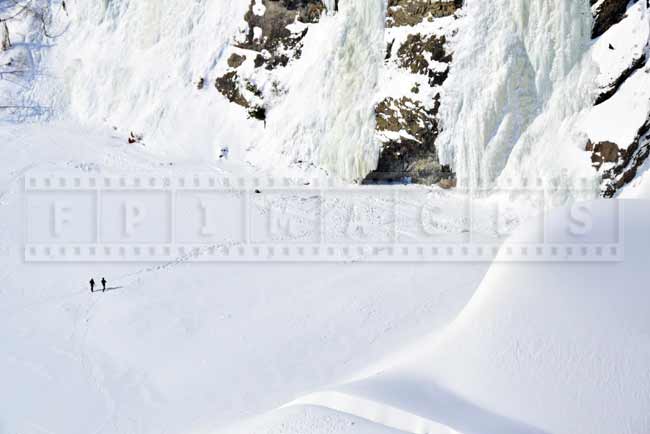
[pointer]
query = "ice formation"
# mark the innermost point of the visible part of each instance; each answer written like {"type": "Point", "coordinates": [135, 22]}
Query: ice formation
{"type": "Point", "coordinates": [134, 65]}
{"type": "Point", "coordinates": [511, 58]}
{"type": "Point", "coordinates": [328, 115]}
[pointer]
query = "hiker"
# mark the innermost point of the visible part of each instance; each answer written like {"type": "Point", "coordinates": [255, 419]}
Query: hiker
{"type": "Point", "coordinates": [92, 285]}
{"type": "Point", "coordinates": [103, 284]}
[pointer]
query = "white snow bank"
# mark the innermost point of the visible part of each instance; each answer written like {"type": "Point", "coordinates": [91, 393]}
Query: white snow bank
{"type": "Point", "coordinates": [619, 118]}
{"type": "Point", "coordinates": [377, 412]}
{"type": "Point", "coordinates": [541, 348]}
{"type": "Point", "coordinates": [181, 347]}
{"type": "Point", "coordinates": [308, 420]}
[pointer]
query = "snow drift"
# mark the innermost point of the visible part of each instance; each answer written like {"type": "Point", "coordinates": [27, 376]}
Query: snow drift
{"type": "Point", "coordinates": [540, 348]}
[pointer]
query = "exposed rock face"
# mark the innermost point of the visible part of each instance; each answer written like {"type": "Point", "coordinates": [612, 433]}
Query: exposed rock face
{"type": "Point", "coordinates": [620, 61]}
{"type": "Point", "coordinates": [229, 86]}
{"type": "Point", "coordinates": [413, 12]}
{"type": "Point", "coordinates": [628, 162]}
{"type": "Point", "coordinates": [409, 154]}
{"type": "Point", "coordinates": [406, 121]}
{"type": "Point", "coordinates": [268, 33]}
{"type": "Point", "coordinates": [604, 152]}
{"type": "Point", "coordinates": [407, 124]}
{"type": "Point", "coordinates": [241, 92]}
{"type": "Point", "coordinates": [414, 157]}
{"type": "Point", "coordinates": [417, 53]}
{"type": "Point", "coordinates": [606, 13]}
{"type": "Point", "coordinates": [235, 60]}
{"type": "Point", "coordinates": [267, 42]}
{"type": "Point", "coordinates": [418, 121]}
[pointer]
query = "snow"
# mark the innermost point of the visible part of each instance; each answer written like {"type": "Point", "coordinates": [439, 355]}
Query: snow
{"type": "Point", "coordinates": [639, 188]}
{"type": "Point", "coordinates": [259, 8]}
{"type": "Point", "coordinates": [344, 347]}
{"type": "Point", "coordinates": [619, 54]}
{"type": "Point", "coordinates": [321, 107]}
{"type": "Point", "coordinates": [166, 47]}
{"type": "Point", "coordinates": [327, 116]}
{"type": "Point", "coordinates": [628, 39]}
{"type": "Point", "coordinates": [396, 81]}
{"type": "Point", "coordinates": [310, 419]}
{"type": "Point", "coordinates": [618, 119]}
{"type": "Point", "coordinates": [186, 347]}
{"type": "Point", "coordinates": [163, 49]}
{"type": "Point", "coordinates": [513, 65]}
{"type": "Point", "coordinates": [540, 348]}
{"type": "Point", "coordinates": [423, 348]}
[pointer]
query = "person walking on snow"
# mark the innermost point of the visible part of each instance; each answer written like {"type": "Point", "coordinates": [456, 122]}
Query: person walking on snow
{"type": "Point", "coordinates": [103, 284]}
{"type": "Point", "coordinates": [92, 285]}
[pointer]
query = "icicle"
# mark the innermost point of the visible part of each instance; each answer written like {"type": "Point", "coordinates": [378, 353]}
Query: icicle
{"type": "Point", "coordinates": [336, 83]}
{"type": "Point", "coordinates": [508, 61]}
{"type": "Point", "coordinates": [332, 6]}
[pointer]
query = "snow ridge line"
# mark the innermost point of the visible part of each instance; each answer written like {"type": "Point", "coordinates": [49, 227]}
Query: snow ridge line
{"type": "Point", "coordinates": [373, 411]}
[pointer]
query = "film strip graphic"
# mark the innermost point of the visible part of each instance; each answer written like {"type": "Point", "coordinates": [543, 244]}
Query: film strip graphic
{"type": "Point", "coordinates": [72, 216]}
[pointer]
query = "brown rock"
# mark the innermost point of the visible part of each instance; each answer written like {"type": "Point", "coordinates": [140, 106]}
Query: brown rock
{"type": "Point", "coordinates": [625, 169]}
{"type": "Point", "coordinates": [229, 86]}
{"type": "Point", "coordinates": [277, 39]}
{"type": "Point", "coordinates": [413, 12]}
{"type": "Point", "coordinates": [412, 157]}
{"type": "Point", "coordinates": [417, 53]}
{"type": "Point", "coordinates": [604, 152]}
{"type": "Point", "coordinates": [447, 183]}
{"type": "Point", "coordinates": [235, 60]}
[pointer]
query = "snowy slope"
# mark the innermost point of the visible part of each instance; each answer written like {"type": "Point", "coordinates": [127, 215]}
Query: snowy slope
{"type": "Point", "coordinates": [185, 347]}
{"type": "Point", "coordinates": [347, 347]}
{"type": "Point", "coordinates": [540, 348]}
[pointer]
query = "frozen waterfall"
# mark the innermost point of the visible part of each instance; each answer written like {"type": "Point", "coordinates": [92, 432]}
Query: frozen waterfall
{"type": "Point", "coordinates": [328, 115]}
{"type": "Point", "coordinates": [510, 60]}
